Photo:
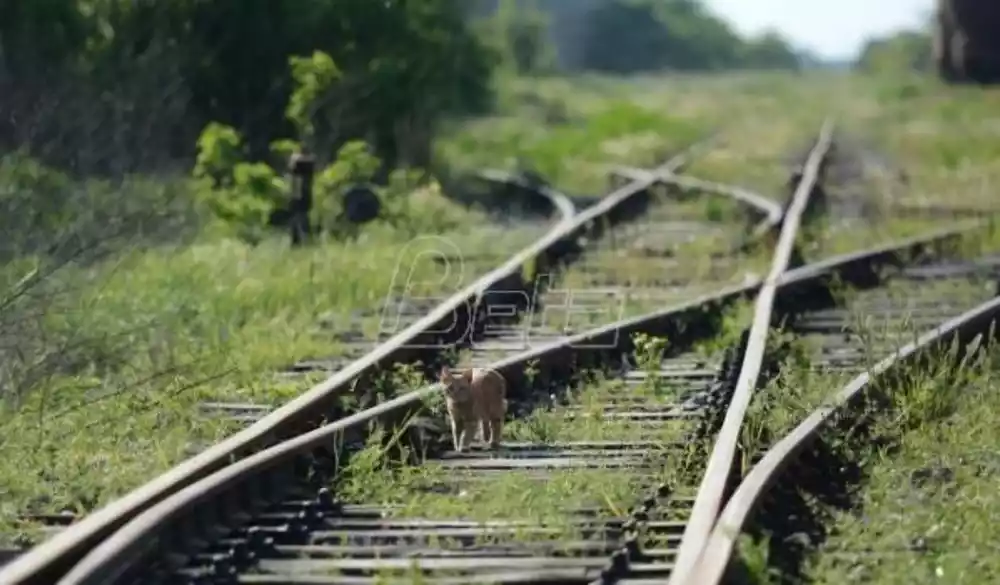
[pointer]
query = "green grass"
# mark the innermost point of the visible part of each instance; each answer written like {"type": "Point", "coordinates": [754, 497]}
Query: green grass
{"type": "Point", "coordinates": [929, 510]}
{"type": "Point", "coordinates": [927, 506]}
{"type": "Point", "coordinates": [116, 354]}
{"type": "Point", "coordinates": [801, 388]}
{"type": "Point", "coordinates": [933, 421]}
{"type": "Point", "coordinates": [825, 242]}
{"type": "Point", "coordinates": [112, 356]}
{"type": "Point", "coordinates": [640, 264]}
{"type": "Point", "coordinates": [570, 134]}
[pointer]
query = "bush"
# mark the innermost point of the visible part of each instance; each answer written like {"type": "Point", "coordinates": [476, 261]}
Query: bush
{"type": "Point", "coordinates": [116, 61]}
{"type": "Point", "coordinates": [245, 196]}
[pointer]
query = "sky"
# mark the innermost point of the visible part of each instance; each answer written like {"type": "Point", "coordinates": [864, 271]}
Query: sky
{"type": "Point", "coordinates": [834, 29]}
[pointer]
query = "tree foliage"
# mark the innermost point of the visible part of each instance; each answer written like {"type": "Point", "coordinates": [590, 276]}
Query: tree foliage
{"type": "Point", "coordinates": [245, 195]}
{"type": "Point", "coordinates": [904, 51]}
{"type": "Point", "coordinates": [519, 33]}
{"type": "Point", "coordinates": [75, 71]}
{"type": "Point", "coordinates": [625, 36]}
{"type": "Point", "coordinates": [401, 63]}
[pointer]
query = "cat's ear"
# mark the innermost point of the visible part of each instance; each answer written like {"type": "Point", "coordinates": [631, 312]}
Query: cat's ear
{"type": "Point", "coordinates": [445, 375]}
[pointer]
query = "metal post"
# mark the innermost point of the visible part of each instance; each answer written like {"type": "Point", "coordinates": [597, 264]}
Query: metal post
{"type": "Point", "coordinates": [301, 167]}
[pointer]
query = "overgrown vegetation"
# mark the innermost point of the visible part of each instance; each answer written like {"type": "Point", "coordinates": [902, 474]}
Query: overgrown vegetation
{"type": "Point", "coordinates": [907, 51]}
{"type": "Point", "coordinates": [227, 61]}
{"type": "Point", "coordinates": [929, 503]}
{"type": "Point", "coordinates": [848, 507]}
{"type": "Point", "coordinates": [912, 491]}
{"type": "Point", "coordinates": [646, 35]}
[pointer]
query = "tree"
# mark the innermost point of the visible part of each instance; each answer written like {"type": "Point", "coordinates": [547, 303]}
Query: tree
{"type": "Point", "coordinates": [404, 64]}
{"type": "Point", "coordinates": [518, 31]}
{"type": "Point", "coordinates": [607, 47]}
{"type": "Point", "coordinates": [770, 51]}
{"type": "Point", "coordinates": [904, 51]}
{"type": "Point", "coordinates": [625, 36]}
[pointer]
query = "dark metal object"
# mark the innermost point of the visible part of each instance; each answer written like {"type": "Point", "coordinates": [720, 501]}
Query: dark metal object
{"type": "Point", "coordinates": [301, 166]}
{"type": "Point", "coordinates": [965, 48]}
{"type": "Point", "coordinates": [361, 204]}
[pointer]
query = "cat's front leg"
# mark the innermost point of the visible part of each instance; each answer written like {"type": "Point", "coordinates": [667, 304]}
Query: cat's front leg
{"type": "Point", "coordinates": [468, 432]}
{"type": "Point", "coordinates": [455, 428]}
{"type": "Point", "coordinates": [484, 430]}
{"type": "Point", "coordinates": [496, 432]}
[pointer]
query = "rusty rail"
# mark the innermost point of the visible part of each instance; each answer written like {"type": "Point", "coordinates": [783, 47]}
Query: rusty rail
{"type": "Point", "coordinates": [710, 567]}
{"type": "Point", "coordinates": [710, 493]}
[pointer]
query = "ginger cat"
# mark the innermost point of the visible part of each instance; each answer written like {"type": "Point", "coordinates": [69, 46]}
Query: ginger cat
{"type": "Point", "coordinates": [476, 395]}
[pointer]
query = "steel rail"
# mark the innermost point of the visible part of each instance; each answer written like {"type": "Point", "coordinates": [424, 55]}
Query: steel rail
{"type": "Point", "coordinates": [711, 565]}
{"type": "Point", "coordinates": [126, 547]}
{"type": "Point", "coordinates": [561, 203]}
{"type": "Point", "coordinates": [42, 564]}
{"type": "Point", "coordinates": [708, 502]}
{"type": "Point", "coordinates": [745, 196]}
{"type": "Point", "coordinates": [803, 293]}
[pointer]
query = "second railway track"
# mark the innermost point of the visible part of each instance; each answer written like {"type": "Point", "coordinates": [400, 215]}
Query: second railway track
{"type": "Point", "coordinates": [925, 311]}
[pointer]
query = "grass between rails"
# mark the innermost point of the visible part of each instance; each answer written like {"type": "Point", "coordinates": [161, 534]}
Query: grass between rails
{"type": "Point", "coordinates": [424, 487]}
{"type": "Point", "coordinates": [802, 387]}
{"type": "Point", "coordinates": [430, 489]}
{"type": "Point", "coordinates": [826, 241]}
{"type": "Point", "coordinates": [644, 267]}
{"type": "Point", "coordinates": [930, 506]}
{"type": "Point", "coordinates": [923, 505]}
{"type": "Point", "coordinates": [650, 270]}
{"type": "Point", "coordinates": [907, 496]}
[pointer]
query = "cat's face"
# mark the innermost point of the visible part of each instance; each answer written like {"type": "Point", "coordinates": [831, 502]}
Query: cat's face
{"type": "Point", "coordinates": [458, 388]}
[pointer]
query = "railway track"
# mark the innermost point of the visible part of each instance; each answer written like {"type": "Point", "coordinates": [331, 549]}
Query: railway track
{"type": "Point", "coordinates": [629, 269]}
{"type": "Point", "coordinates": [302, 534]}
{"type": "Point", "coordinates": [531, 213]}
{"type": "Point", "coordinates": [936, 307]}
{"type": "Point", "coordinates": [293, 529]}
{"type": "Point", "coordinates": [542, 311]}
{"type": "Point", "coordinates": [625, 203]}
